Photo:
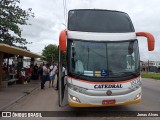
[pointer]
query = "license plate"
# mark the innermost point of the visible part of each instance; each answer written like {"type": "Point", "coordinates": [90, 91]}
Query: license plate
{"type": "Point", "coordinates": [106, 102]}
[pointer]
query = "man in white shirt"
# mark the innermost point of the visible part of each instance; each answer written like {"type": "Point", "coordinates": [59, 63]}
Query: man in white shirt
{"type": "Point", "coordinates": [23, 75]}
{"type": "Point", "coordinates": [53, 69]}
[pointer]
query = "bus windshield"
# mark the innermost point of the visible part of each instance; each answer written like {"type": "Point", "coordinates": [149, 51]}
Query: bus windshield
{"type": "Point", "coordinates": [103, 59]}
{"type": "Point", "coordinates": [103, 21]}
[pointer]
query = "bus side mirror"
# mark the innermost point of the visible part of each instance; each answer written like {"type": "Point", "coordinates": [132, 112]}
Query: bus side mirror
{"type": "Point", "coordinates": [149, 37]}
{"type": "Point", "coordinates": [62, 41]}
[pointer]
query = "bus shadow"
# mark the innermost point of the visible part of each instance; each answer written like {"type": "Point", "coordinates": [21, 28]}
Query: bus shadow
{"type": "Point", "coordinates": [117, 111]}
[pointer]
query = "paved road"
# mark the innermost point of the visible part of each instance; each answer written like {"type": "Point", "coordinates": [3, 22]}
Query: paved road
{"type": "Point", "coordinates": [47, 100]}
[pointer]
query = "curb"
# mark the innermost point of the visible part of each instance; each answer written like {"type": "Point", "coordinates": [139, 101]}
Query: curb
{"type": "Point", "coordinates": [14, 101]}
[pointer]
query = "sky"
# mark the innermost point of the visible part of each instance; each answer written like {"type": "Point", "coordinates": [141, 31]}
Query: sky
{"type": "Point", "coordinates": [50, 19]}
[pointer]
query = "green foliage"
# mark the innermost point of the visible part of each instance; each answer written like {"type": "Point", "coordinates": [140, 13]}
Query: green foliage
{"type": "Point", "coordinates": [12, 16]}
{"type": "Point", "coordinates": [51, 53]}
{"type": "Point", "coordinates": [151, 75]}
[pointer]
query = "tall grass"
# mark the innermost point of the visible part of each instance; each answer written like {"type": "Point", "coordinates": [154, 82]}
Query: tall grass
{"type": "Point", "coordinates": [150, 75]}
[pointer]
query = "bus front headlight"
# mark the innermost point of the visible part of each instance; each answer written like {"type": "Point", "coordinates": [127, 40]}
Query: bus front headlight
{"type": "Point", "coordinates": [77, 88]}
{"type": "Point", "coordinates": [137, 96]}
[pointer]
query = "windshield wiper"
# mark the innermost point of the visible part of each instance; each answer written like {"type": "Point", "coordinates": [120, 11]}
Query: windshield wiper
{"type": "Point", "coordinates": [77, 74]}
{"type": "Point", "coordinates": [130, 73]}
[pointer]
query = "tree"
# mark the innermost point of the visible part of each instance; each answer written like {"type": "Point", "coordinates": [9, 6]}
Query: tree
{"type": "Point", "coordinates": [51, 54]}
{"type": "Point", "coordinates": [12, 16]}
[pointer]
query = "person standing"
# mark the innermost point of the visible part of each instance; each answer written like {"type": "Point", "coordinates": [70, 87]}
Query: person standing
{"type": "Point", "coordinates": [47, 76]}
{"type": "Point", "coordinates": [63, 73]}
{"type": "Point", "coordinates": [51, 74]}
{"type": "Point", "coordinates": [23, 75]}
{"type": "Point", "coordinates": [40, 72]}
{"type": "Point", "coordinates": [63, 77]}
{"type": "Point", "coordinates": [56, 74]}
{"type": "Point", "coordinates": [30, 71]}
{"type": "Point", "coordinates": [44, 76]}
{"type": "Point", "coordinates": [35, 72]}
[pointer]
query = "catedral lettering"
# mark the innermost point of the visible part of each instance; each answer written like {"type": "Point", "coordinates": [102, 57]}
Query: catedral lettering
{"type": "Point", "coordinates": [102, 59]}
{"type": "Point", "coordinates": [108, 86]}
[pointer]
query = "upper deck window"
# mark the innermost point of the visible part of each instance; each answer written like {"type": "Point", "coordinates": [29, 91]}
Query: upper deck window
{"type": "Point", "coordinates": [104, 21]}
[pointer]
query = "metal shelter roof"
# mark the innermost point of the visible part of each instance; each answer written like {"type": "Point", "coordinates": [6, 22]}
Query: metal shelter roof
{"type": "Point", "coordinates": [17, 51]}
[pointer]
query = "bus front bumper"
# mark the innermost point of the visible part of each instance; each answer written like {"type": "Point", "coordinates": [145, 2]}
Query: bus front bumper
{"type": "Point", "coordinates": [96, 101]}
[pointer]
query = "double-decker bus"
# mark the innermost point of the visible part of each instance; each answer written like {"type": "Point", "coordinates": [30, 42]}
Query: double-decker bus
{"type": "Point", "coordinates": [103, 61]}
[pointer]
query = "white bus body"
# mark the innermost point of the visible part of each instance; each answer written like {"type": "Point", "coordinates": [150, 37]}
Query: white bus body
{"type": "Point", "coordinates": [102, 59]}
